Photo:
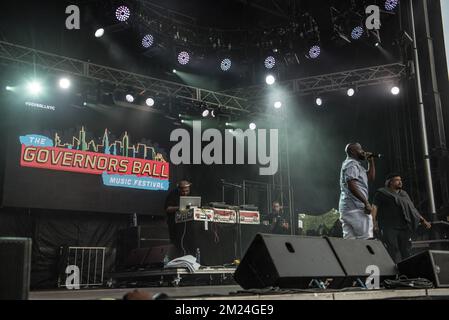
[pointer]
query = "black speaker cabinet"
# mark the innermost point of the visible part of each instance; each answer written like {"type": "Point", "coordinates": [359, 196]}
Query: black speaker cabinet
{"type": "Point", "coordinates": [15, 265]}
{"type": "Point", "coordinates": [355, 256]}
{"type": "Point", "coordinates": [288, 262]}
{"type": "Point", "coordinates": [432, 265]}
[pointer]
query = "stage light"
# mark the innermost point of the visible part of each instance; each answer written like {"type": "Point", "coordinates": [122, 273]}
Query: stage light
{"type": "Point", "coordinates": [174, 70]}
{"type": "Point", "coordinates": [122, 13]}
{"type": "Point", "coordinates": [390, 5]}
{"type": "Point", "coordinates": [252, 126]}
{"type": "Point", "coordinates": [278, 104]}
{"type": "Point", "coordinates": [147, 41]}
{"type": "Point", "coordinates": [357, 33]}
{"type": "Point", "coordinates": [227, 124]}
{"type": "Point", "coordinates": [129, 98]}
{"type": "Point", "coordinates": [350, 92]}
{"type": "Point", "coordinates": [225, 64]}
{"type": "Point", "coordinates": [377, 44]}
{"type": "Point", "coordinates": [319, 101]}
{"type": "Point", "coordinates": [9, 88]}
{"type": "Point", "coordinates": [212, 113]}
{"type": "Point", "coordinates": [64, 83]}
{"type": "Point", "coordinates": [205, 113]}
{"type": "Point", "coordinates": [270, 79]}
{"type": "Point", "coordinates": [182, 121]}
{"type": "Point", "coordinates": [149, 102]}
{"type": "Point", "coordinates": [231, 131]}
{"type": "Point", "coordinates": [395, 90]}
{"type": "Point", "coordinates": [183, 57]}
{"type": "Point", "coordinates": [270, 62]}
{"type": "Point", "coordinates": [99, 32]}
{"type": "Point", "coordinates": [34, 87]}
{"type": "Point", "coordinates": [314, 52]}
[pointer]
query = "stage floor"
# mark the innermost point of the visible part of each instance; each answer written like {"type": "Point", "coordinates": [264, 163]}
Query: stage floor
{"type": "Point", "coordinates": [228, 293]}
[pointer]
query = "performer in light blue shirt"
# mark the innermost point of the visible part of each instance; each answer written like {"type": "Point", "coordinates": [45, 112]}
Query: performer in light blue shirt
{"type": "Point", "coordinates": [354, 207]}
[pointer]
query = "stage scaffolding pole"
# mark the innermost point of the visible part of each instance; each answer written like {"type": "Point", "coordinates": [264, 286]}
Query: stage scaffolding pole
{"type": "Point", "coordinates": [422, 119]}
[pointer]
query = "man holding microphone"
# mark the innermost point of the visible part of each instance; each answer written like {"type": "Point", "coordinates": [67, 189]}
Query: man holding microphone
{"type": "Point", "coordinates": [355, 209]}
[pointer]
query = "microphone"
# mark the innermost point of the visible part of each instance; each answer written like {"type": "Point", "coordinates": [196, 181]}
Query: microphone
{"type": "Point", "coordinates": [373, 155]}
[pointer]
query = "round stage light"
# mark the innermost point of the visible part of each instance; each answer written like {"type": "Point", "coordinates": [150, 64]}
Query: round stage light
{"type": "Point", "coordinates": [147, 41]}
{"type": "Point", "coordinates": [99, 32]}
{"type": "Point", "coordinates": [390, 5]}
{"type": "Point", "coordinates": [395, 90]}
{"type": "Point", "coordinates": [183, 57]}
{"type": "Point", "coordinates": [377, 44]}
{"type": "Point", "coordinates": [34, 87]}
{"type": "Point", "coordinates": [9, 88]}
{"type": "Point", "coordinates": [350, 92]}
{"type": "Point", "coordinates": [270, 79]}
{"type": "Point", "coordinates": [278, 104]}
{"type": "Point", "coordinates": [225, 64]}
{"type": "Point", "coordinates": [357, 33]}
{"type": "Point", "coordinates": [205, 113]}
{"type": "Point", "coordinates": [122, 13]}
{"type": "Point", "coordinates": [270, 62]}
{"type": "Point", "coordinates": [64, 83]}
{"type": "Point", "coordinates": [319, 102]}
{"type": "Point", "coordinates": [149, 102]}
{"type": "Point", "coordinates": [314, 52]}
{"type": "Point", "coordinates": [227, 124]}
{"type": "Point", "coordinates": [129, 98]}
{"type": "Point", "coordinates": [252, 126]}
{"type": "Point", "coordinates": [174, 71]}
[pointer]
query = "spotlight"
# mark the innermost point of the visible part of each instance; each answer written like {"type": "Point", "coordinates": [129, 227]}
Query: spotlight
{"type": "Point", "coordinates": [225, 64]}
{"type": "Point", "coordinates": [129, 98]}
{"type": "Point", "coordinates": [34, 87]}
{"type": "Point", "coordinates": [231, 131]}
{"type": "Point", "coordinates": [357, 33]}
{"type": "Point", "coordinates": [314, 52]}
{"type": "Point", "coordinates": [99, 33]}
{"type": "Point", "coordinates": [205, 113]}
{"type": "Point", "coordinates": [350, 92]}
{"type": "Point", "coordinates": [252, 126]}
{"type": "Point", "coordinates": [390, 5]}
{"type": "Point", "coordinates": [212, 113]}
{"type": "Point", "coordinates": [319, 101]}
{"type": "Point", "coordinates": [377, 44]}
{"type": "Point", "coordinates": [122, 13]}
{"type": "Point", "coordinates": [9, 88]}
{"type": "Point", "coordinates": [228, 124]}
{"type": "Point", "coordinates": [270, 79]}
{"type": "Point", "coordinates": [270, 62]}
{"type": "Point", "coordinates": [395, 90]}
{"type": "Point", "coordinates": [64, 83]}
{"type": "Point", "coordinates": [147, 41]}
{"type": "Point", "coordinates": [277, 104]}
{"type": "Point", "coordinates": [182, 121]}
{"type": "Point", "coordinates": [174, 70]}
{"type": "Point", "coordinates": [149, 102]}
{"type": "Point", "coordinates": [183, 57]}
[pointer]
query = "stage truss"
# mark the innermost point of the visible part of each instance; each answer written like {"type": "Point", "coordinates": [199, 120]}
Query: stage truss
{"type": "Point", "coordinates": [241, 100]}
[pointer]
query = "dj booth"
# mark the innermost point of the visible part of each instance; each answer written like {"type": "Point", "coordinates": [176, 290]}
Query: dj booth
{"type": "Point", "coordinates": [218, 236]}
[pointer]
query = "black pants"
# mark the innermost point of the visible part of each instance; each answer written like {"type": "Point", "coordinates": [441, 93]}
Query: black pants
{"type": "Point", "coordinates": [398, 242]}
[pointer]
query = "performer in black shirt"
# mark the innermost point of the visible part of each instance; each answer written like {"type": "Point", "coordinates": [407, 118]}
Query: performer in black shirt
{"type": "Point", "coordinates": [396, 218]}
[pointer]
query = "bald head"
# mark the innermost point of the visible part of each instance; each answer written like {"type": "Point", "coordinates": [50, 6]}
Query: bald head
{"type": "Point", "coordinates": [355, 150]}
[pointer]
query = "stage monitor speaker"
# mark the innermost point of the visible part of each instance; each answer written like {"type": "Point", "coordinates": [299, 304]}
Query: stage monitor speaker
{"type": "Point", "coordinates": [355, 256]}
{"type": "Point", "coordinates": [432, 265]}
{"type": "Point", "coordinates": [15, 266]}
{"type": "Point", "coordinates": [288, 262]}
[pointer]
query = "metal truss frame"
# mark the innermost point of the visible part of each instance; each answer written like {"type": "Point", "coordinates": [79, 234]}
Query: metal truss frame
{"type": "Point", "coordinates": [12, 54]}
{"type": "Point", "coordinates": [241, 100]}
{"type": "Point", "coordinates": [390, 73]}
